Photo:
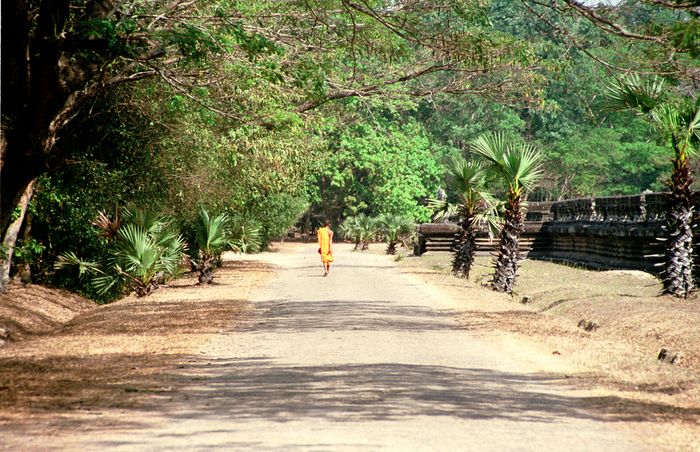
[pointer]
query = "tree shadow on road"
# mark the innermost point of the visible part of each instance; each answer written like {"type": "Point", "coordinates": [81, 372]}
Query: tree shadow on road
{"type": "Point", "coordinates": [345, 315]}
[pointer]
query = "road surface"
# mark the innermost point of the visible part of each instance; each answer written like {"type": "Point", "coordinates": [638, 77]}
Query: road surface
{"type": "Point", "coordinates": [366, 359]}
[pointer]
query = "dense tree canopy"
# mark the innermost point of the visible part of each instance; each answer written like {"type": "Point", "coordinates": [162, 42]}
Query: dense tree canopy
{"type": "Point", "coordinates": [268, 109]}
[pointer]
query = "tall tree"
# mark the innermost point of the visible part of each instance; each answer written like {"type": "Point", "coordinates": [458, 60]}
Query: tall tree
{"type": "Point", "coordinates": [519, 166]}
{"type": "Point", "coordinates": [468, 179]}
{"type": "Point", "coordinates": [667, 31]}
{"type": "Point", "coordinates": [678, 123]}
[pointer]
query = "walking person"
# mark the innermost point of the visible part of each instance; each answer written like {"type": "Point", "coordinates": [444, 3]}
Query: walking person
{"type": "Point", "coordinates": [325, 246]}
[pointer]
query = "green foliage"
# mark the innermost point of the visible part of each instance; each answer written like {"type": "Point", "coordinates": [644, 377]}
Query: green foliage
{"type": "Point", "coordinates": [676, 120]}
{"type": "Point", "coordinates": [27, 251]}
{"type": "Point", "coordinates": [245, 236]}
{"type": "Point", "coordinates": [519, 165]}
{"type": "Point", "coordinates": [395, 230]}
{"type": "Point", "coordinates": [633, 92]}
{"type": "Point", "coordinates": [145, 253]}
{"type": "Point", "coordinates": [383, 165]}
{"type": "Point", "coordinates": [211, 233]}
{"type": "Point", "coordinates": [469, 182]}
{"type": "Point", "coordinates": [361, 229]}
{"type": "Point", "coordinates": [686, 36]}
{"type": "Point", "coordinates": [629, 164]}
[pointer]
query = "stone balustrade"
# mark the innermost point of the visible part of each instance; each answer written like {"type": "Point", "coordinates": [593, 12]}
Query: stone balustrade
{"type": "Point", "coordinates": [602, 232]}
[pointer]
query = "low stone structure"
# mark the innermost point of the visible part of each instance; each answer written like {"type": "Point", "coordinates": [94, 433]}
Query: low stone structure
{"type": "Point", "coordinates": [601, 232]}
{"type": "Point", "coordinates": [605, 232]}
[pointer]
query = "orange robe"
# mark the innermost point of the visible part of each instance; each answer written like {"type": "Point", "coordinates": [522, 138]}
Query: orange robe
{"type": "Point", "coordinates": [324, 235]}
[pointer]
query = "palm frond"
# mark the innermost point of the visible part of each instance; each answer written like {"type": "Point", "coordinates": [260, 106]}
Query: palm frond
{"type": "Point", "coordinates": [465, 175]}
{"type": "Point", "coordinates": [490, 146]}
{"type": "Point", "coordinates": [245, 236]}
{"type": "Point", "coordinates": [631, 92]}
{"type": "Point", "coordinates": [148, 219]}
{"type": "Point", "coordinates": [108, 226]}
{"type": "Point", "coordinates": [519, 164]}
{"type": "Point", "coordinates": [108, 283]}
{"type": "Point", "coordinates": [441, 209]}
{"type": "Point", "coordinates": [70, 259]}
{"type": "Point", "coordinates": [212, 233]}
{"type": "Point", "coordinates": [522, 166]}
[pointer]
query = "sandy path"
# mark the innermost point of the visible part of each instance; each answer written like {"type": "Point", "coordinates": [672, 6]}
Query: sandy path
{"type": "Point", "coordinates": [367, 359]}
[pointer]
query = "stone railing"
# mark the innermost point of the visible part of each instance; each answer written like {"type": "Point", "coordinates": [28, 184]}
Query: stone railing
{"type": "Point", "coordinates": [602, 232]}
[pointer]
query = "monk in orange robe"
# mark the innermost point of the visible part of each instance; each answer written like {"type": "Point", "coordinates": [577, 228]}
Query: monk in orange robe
{"type": "Point", "coordinates": [325, 242]}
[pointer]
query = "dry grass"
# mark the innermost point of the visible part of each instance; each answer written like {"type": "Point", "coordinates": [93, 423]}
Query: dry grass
{"type": "Point", "coordinates": [30, 309]}
{"type": "Point", "coordinates": [621, 355]}
{"type": "Point", "coordinates": [110, 356]}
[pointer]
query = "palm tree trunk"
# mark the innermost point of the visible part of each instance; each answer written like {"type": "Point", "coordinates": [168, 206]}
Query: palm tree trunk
{"type": "Point", "coordinates": [508, 257]}
{"type": "Point", "coordinates": [206, 270]}
{"type": "Point", "coordinates": [678, 270]}
{"type": "Point", "coordinates": [465, 249]}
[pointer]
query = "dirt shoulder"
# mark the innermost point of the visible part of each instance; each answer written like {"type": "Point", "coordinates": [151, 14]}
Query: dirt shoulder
{"type": "Point", "coordinates": [110, 356]}
{"type": "Point", "coordinates": [618, 357]}
{"type": "Point", "coordinates": [27, 310]}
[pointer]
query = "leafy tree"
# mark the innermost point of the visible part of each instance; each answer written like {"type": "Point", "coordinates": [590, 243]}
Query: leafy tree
{"type": "Point", "coordinates": [667, 31]}
{"type": "Point", "coordinates": [604, 161]}
{"type": "Point", "coordinates": [384, 165]}
{"type": "Point", "coordinates": [678, 123]}
{"type": "Point", "coordinates": [519, 166]}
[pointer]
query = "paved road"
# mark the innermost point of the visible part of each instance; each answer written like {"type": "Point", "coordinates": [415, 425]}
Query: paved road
{"type": "Point", "coordinates": [367, 359]}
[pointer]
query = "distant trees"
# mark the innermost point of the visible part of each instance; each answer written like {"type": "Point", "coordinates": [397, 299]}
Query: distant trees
{"type": "Point", "coordinates": [379, 164]}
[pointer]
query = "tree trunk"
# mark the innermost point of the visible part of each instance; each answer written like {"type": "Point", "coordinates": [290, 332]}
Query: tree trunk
{"type": "Point", "coordinates": [465, 249]}
{"type": "Point", "coordinates": [678, 272]}
{"type": "Point", "coordinates": [206, 270]}
{"type": "Point", "coordinates": [10, 238]}
{"type": "Point", "coordinates": [508, 258]}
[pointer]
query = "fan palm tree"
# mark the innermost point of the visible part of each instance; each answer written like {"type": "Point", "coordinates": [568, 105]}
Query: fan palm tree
{"type": "Point", "coordinates": [245, 235]}
{"type": "Point", "coordinates": [368, 228]}
{"type": "Point", "coordinates": [519, 166]}
{"type": "Point", "coordinates": [468, 179]}
{"type": "Point", "coordinates": [678, 123]}
{"type": "Point", "coordinates": [212, 236]}
{"type": "Point", "coordinates": [396, 229]}
{"type": "Point", "coordinates": [361, 229]}
{"type": "Point", "coordinates": [349, 230]}
{"type": "Point", "coordinates": [145, 252]}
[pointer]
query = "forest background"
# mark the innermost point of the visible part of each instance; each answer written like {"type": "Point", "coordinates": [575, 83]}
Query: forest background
{"type": "Point", "coordinates": [280, 112]}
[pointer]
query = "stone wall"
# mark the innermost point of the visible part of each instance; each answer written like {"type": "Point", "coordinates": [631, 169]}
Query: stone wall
{"type": "Point", "coordinates": [604, 232]}
{"type": "Point", "coordinates": [601, 232]}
